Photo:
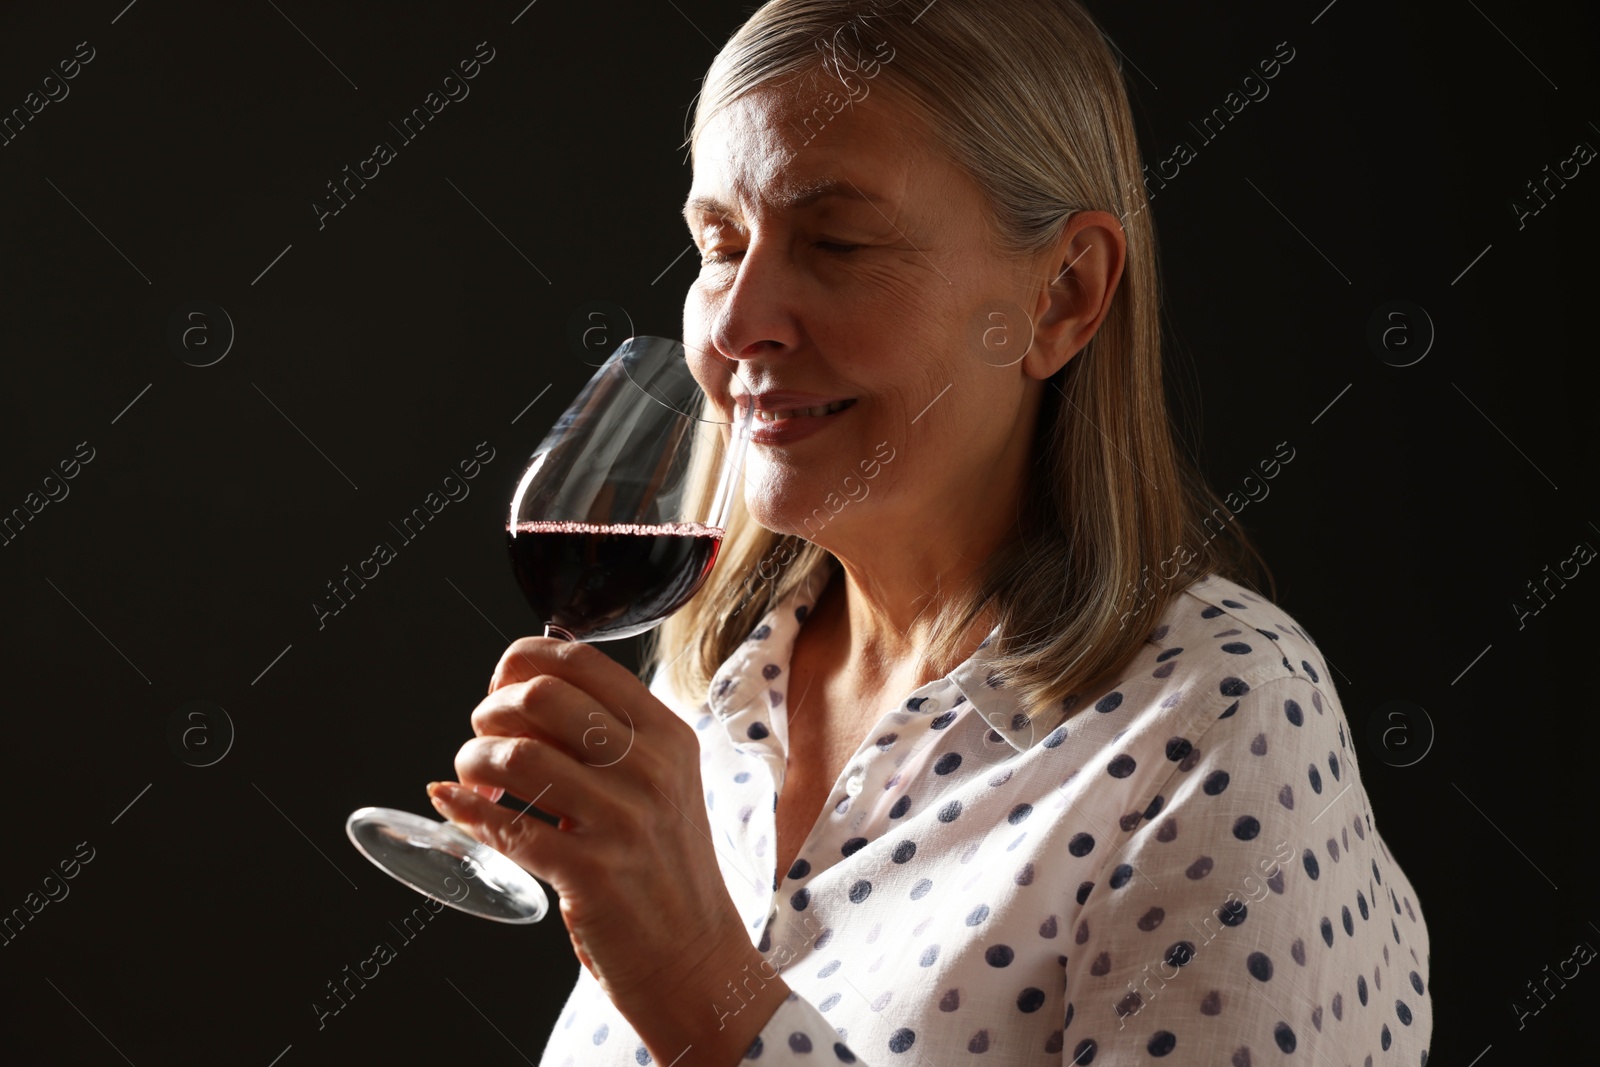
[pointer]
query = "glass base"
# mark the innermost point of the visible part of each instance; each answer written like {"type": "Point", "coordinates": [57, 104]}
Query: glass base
{"type": "Point", "coordinates": [441, 861]}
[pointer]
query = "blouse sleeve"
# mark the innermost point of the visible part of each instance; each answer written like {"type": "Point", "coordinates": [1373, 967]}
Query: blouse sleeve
{"type": "Point", "coordinates": [1230, 922]}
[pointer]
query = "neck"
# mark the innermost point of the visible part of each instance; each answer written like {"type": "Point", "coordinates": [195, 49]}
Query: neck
{"type": "Point", "coordinates": [878, 639]}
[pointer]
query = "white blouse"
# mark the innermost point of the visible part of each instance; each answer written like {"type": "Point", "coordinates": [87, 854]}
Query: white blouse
{"type": "Point", "coordinates": [1186, 867]}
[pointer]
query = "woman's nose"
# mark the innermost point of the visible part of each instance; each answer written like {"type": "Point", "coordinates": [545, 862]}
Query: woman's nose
{"type": "Point", "coordinates": [759, 310]}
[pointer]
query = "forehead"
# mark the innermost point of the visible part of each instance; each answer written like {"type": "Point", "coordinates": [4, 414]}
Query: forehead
{"type": "Point", "coordinates": [775, 150]}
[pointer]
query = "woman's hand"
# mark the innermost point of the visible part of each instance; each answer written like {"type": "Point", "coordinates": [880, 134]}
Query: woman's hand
{"type": "Point", "coordinates": [566, 727]}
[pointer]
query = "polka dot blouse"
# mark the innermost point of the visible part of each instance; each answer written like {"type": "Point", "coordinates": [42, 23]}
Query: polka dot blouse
{"type": "Point", "coordinates": [1181, 867]}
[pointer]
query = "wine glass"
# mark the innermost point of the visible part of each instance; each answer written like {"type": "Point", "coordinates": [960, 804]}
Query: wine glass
{"type": "Point", "coordinates": [613, 526]}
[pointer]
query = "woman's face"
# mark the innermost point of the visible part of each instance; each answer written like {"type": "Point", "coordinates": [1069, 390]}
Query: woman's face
{"type": "Point", "coordinates": [856, 265]}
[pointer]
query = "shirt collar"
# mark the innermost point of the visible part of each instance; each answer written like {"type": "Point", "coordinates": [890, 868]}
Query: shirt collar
{"type": "Point", "coordinates": [739, 684]}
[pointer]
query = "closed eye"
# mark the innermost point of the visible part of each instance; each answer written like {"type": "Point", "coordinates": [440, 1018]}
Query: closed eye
{"type": "Point", "coordinates": [835, 247]}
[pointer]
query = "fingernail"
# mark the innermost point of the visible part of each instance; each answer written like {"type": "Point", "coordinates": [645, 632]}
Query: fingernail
{"type": "Point", "coordinates": [447, 791]}
{"type": "Point", "coordinates": [493, 792]}
{"type": "Point", "coordinates": [452, 815]}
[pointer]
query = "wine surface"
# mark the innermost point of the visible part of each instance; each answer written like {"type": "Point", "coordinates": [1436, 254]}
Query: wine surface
{"type": "Point", "coordinates": [606, 582]}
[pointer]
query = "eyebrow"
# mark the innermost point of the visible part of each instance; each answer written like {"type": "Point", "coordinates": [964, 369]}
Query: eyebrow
{"type": "Point", "coordinates": [793, 199]}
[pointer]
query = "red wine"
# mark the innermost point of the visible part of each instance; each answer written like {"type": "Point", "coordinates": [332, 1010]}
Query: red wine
{"type": "Point", "coordinates": [604, 582]}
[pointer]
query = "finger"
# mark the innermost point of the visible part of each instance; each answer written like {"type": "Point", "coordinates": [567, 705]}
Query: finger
{"type": "Point", "coordinates": [531, 770]}
{"type": "Point", "coordinates": [553, 709]}
{"type": "Point", "coordinates": [534, 845]}
{"type": "Point", "coordinates": [609, 683]}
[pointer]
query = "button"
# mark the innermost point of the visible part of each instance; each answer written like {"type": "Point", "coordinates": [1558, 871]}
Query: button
{"type": "Point", "coordinates": [854, 784]}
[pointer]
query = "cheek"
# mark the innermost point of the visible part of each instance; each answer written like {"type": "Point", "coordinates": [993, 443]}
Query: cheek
{"type": "Point", "coordinates": [714, 379]}
{"type": "Point", "coordinates": [698, 318]}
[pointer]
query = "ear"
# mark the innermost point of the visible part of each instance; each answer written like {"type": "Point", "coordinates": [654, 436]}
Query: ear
{"type": "Point", "coordinates": [1074, 282]}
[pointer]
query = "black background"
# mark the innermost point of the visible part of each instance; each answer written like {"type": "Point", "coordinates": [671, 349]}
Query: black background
{"type": "Point", "coordinates": [377, 351]}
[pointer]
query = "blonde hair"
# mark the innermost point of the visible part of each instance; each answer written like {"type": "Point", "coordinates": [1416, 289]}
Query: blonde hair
{"type": "Point", "coordinates": [1028, 98]}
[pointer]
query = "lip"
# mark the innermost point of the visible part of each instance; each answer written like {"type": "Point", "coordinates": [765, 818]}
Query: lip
{"type": "Point", "coordinates": [793, 429]}
{"type": "Point", "coordinates": [780, 399]}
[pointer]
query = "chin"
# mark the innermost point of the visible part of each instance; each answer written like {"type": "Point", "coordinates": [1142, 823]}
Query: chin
{"type": "Point", "coordinates": [779, 510]}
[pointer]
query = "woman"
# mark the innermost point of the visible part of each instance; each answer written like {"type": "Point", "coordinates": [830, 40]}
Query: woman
{"type": "Point", "coordinates": [971, 748]}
